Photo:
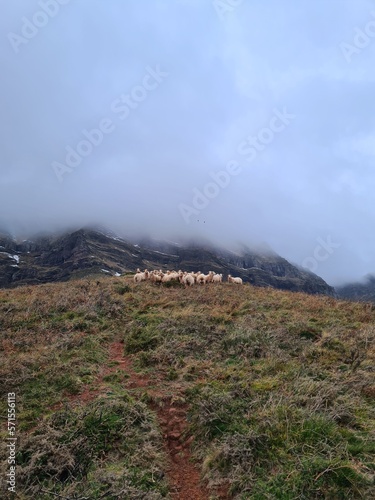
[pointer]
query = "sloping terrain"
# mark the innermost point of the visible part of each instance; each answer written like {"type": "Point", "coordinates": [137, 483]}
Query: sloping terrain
{"type": "Point", "coordinates": [255, 393]}
{"type": "Point", "coordinates": [89, 252]}
{"type": "Point", "coordinates": [364, 291]}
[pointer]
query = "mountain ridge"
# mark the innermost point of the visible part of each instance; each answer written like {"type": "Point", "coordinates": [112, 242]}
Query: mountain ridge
{"type": "Point", "coordinates": [362, 291]}
{"type": "Point", "coordinates": [88, 251]}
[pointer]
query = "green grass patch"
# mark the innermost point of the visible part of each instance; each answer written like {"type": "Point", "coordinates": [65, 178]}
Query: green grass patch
{"type": "Point", "coordinates": [278, 386]}
{"type": "Point", "coordinates": [73, 450]}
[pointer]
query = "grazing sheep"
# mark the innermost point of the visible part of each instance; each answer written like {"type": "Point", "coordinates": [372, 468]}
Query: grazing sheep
{"type": "Point", "coordinates": [138, 277]}
{"type": "Point", "coordinates": [188, 280]}
{"type": "Point", "coordinates": [195, 276]}
{"type": "Point", "coordinates": [238, 281]}
{"type": "Point", "coordinates": [201, 279]}
{"type": "Point", "coordinates": [141, 276]}
{"type": "Point", "coordinates": [165, 278]}
{"type": "Point", "coordinates": [169, 276]}
{"type": "Point", "coordinates": [209, 277]}
{"type": "Point", "coordinates": [155, 277]}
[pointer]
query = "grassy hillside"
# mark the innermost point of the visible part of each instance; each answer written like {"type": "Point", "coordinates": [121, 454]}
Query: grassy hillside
{"type": "Point", "coordinates": [276, 389]}
{"type": "Point", "coordinates": [87, 252]}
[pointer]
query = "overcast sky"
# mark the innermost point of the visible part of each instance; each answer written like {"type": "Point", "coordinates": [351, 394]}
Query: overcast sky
{"type": "Point", "coordinates": [248, 121]}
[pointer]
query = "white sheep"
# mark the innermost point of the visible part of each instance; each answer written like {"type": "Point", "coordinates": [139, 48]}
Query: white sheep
{"type": "Point", "coordinates": [209, 277]}
{"type": "Point", "coordinates": [196, 276]}
{"type": "Point", "coordinates": [238, 281]}
{"type": "Point", "coordinates": [141, 276]}
{"type": "Point", "coordinates": [201, 279]}
{"type": "Point", "coordinates": [169, 276]}
{"type": "Point", "coordinates": [187, 279]}
{"type": "Point", "coordinates": [155, 277]}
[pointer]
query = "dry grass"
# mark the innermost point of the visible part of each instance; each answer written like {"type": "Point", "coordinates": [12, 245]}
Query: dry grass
{"type": "Point", "coordinates": [280, 388]}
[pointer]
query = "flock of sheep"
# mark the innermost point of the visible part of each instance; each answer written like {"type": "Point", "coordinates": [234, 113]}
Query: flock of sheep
{"type": "Point", "coordinates": [187, 279]}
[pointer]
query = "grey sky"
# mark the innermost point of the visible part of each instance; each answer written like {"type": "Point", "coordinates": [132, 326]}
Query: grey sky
{"type": "Point", "coordinates": [226, 67]}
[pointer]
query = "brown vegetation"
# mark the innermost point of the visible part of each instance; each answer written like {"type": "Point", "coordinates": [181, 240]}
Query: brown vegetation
{"type": "Point", "coordinates": [255, 393]}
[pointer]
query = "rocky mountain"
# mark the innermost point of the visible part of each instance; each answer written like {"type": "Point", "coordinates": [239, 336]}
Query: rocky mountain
{"type": "Point", "coordinates": [92, 252]}
{"type": "Point", "coordinates": [362, 291]}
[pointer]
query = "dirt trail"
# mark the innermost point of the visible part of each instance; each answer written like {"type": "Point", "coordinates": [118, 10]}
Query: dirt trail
{"type": "Point", "coordinates": [182, 475]}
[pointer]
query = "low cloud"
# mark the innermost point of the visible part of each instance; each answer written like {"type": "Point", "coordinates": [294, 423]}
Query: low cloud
{"type": "Point", "coordinates": [88, 135]}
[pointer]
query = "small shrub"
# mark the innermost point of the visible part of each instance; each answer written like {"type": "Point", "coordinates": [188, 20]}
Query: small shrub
{"type": "Point", "coordinates": [141, 339]}
{"type": "Point", "coordinates": [172, 284]}
{"type": "Point", "coordinates": [122, 289]}
{"type": "Point", "coordinates": [65, 453]}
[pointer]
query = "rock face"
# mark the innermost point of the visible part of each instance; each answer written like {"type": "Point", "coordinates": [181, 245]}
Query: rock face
{"type": "Point", "coordinates": [364, 292]}
{"type": "Point", "coordinates": [87, 252]}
